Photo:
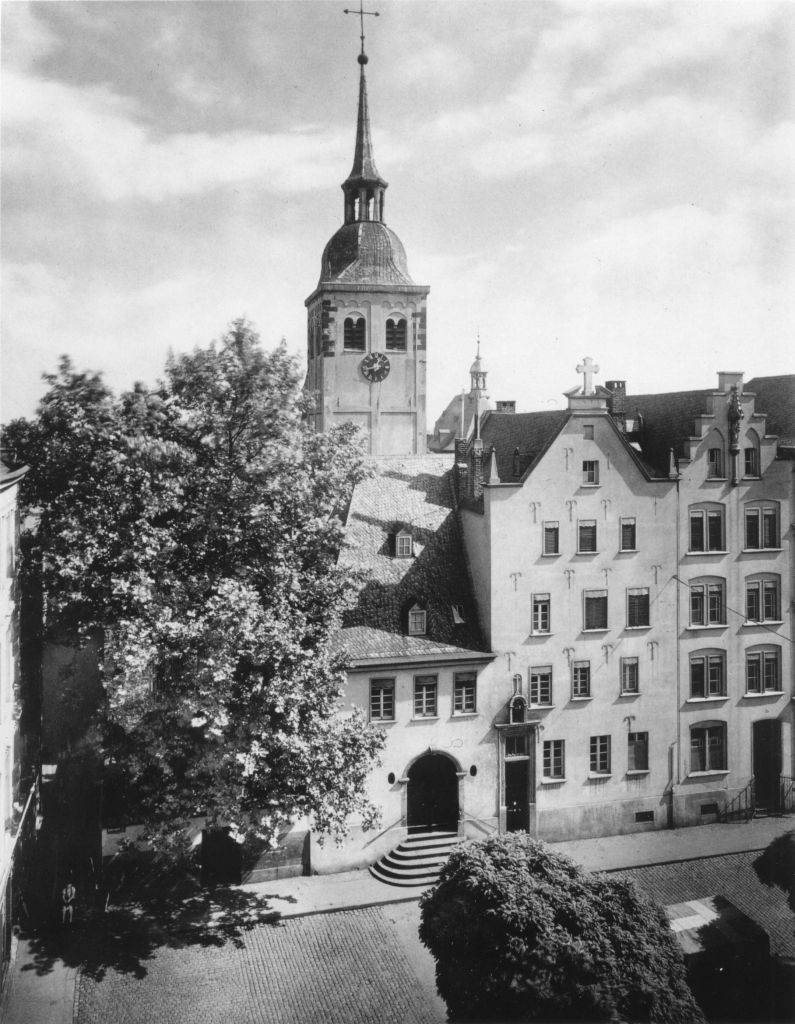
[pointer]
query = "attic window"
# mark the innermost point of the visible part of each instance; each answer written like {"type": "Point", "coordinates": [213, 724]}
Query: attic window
{"type": "Point", "coordinates": [404, 546]}
{"type": "Point", "coordinates": [516, 462]}
{"type": "Point", "coordinates": [458, 614]}
{"type": "Point", "coordinates": [417, 621]}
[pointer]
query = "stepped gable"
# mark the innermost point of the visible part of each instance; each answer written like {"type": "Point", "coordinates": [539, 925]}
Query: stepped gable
{"type": "Point", "coordinates": [775, 397]}
{"type": "Point", "coordinates": [530, 432]}
{"type": "Point", "coordinates": [412, 493]}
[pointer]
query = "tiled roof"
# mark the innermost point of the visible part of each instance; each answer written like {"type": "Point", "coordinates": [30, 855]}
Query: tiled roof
{"type": "Point", "coordinates": [414, 492]}
{"type": "Point", "coordinates": [775, 396]}
{"type": "Point", "coordinates": [365, 252]}
{"type": "Point", "coordinates": [668, 421]}
{"type": "Point", "coordinates": [530, 432]}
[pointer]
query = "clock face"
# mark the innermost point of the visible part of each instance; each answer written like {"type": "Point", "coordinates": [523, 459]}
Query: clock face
{"type": "Point", "coordinates": [375, 366]}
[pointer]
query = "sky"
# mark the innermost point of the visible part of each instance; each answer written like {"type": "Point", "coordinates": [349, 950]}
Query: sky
{"type": "Point", "coordinates": [571, 179]}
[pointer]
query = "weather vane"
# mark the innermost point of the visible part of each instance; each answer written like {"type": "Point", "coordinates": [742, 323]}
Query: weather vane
{"type": "Point", "coordinates": [361, 12]}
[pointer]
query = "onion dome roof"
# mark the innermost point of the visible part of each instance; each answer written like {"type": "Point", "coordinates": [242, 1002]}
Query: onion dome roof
{"type": "Point", "coordinates": [365, 252]}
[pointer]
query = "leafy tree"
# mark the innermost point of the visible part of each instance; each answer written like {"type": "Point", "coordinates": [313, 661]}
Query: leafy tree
{"type": "Point", "coordinates": [197, 526]}
{"type": "Point", "coordinates": [520, 933]}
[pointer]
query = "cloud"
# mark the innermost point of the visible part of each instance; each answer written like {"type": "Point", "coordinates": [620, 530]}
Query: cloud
{"type": "Point", "coordinates": [81, 138]}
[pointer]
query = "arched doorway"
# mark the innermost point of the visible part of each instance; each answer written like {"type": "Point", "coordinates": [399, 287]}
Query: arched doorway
{"type": "Point", "coordinates": [432, 795]}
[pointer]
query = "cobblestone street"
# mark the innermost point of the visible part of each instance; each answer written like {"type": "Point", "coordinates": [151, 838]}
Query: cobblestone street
{"type": "Point", "coordinates": [351, 967]}
{"type": "Point", "coordinates": [360, 966]}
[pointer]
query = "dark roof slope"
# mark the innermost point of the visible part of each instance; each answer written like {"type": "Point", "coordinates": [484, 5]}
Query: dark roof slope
{"type": "Point", "coordinates": [415, 492]}
{"type": "Point", "coordinates": [668, 421]}
{"type": "Point", "coordinates": [530, 432]}
{"type": "Point", "coordinates": [775, 396]}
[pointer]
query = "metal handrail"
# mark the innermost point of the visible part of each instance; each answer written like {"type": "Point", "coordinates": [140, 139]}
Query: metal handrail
{"type": "Point", "coordinates": [743, 804]}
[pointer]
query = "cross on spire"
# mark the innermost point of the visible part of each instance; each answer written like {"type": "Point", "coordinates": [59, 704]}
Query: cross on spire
{"type": "Point", "coordinates": [361, 12]}
{"type": "Point", "coordinates": [587, 368]}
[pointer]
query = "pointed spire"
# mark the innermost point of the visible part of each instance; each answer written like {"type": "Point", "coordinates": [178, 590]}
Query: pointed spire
{"type": "Point", "coordinates": [364, 187]}
{"type": "Point", "coordinates": [364, 170]}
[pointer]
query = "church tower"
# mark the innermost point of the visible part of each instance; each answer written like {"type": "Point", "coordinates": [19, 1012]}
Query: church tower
{"type": "Point", "coordinates": [366, 319]}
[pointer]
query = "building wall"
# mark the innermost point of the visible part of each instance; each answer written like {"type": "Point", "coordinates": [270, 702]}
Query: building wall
{"type": "Point", "coordinates": [584, 803]}
{"type": "Point", "coordinates": [734, 566]}
{"type": "Point", "coordinates": [469, 740]}
{"type": "Point", "coordinates": [390, 413]}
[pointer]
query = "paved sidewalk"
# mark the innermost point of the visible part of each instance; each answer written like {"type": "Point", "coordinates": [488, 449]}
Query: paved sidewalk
{"type": "Point", "coordinates": [318, 894]}
{"type": "Point", "coordinates": [34, 994]}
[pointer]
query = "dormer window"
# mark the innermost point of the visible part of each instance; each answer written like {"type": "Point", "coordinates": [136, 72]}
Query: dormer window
{"type": "Point", "coordinates": [417, 621]}
{"type": "Point", "coordinates": [404, 544]}
{"type": "Point", "coordinates": [515, 467]}
{"type": "Point", "coordinates": [459, 618]}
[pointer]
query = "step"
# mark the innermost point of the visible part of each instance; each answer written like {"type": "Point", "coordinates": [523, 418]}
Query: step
{"type": "Point", "coordinates": [422, 867]}
{"type": "Point", "coordinates": [424, 880]}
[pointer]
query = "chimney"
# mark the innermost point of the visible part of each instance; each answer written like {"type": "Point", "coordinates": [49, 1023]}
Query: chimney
{"type": "Point", "coordinates": [509, 407]}
{"type": "Point", "coordinates": [477, 468]}
{"type": "Point", "coordinates": [617, 402]}
{"type": "Point", "coordinates": [461, 467]}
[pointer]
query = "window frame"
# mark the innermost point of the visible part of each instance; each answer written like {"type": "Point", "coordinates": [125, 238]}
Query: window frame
{"type": "Point", "coordinates": [600, 755]}
{"type": "Point", "coordinates": [711, 731]}
{"type": "Point", "coordinates": [553, 763]}
{"type": "Point", "coordinates": [384, 684]}
{"type": "Point", "coordinates": [709, 661]}
{"type": "Point", "coordinates": [763, 586]}
{"type": "Point", "coordinates": [404, 544]}
{"type": "Point", "coordinates": [707, 515]}
{"type": "Point", "coordinates": [638, 752]}
{"type": "Point", "coordinates": [715, 464]}
{"type": "Point", "coordinates": [414, 614]}
{"type": "Point", "coordinates": [704, 590]}
{"type": "Point", "coordinates": [426, 694]}
{"type": "Point", "coordinates": [393, 344]}
{"type": "Point", "coordinates": [550, 527]}
{"type": "Point", "coordinates": [751, 467]}
{"type": "Point", "coordinates": [541, 611]}
{"type": "Point", "coordinates": [351, 341]}
{"type": "Point", "coordinates": [581, 680]}
{"type": "Point", "coordinates": [762, 513]}
{"type": "Point", "coordinates": [763, 657]}
{"type": "Point", "coordinates": [463, 683]}
{"type": "Point", "coordinates": [628, 522]}
{"type": "Point", "coordinates": [637, 609]}
{"type": "Point", "coordinates": [538, 688]}
{"type": "Point", "coordinates": [590, 472]}
{"type": "Point", "coordinates": [595, 595]}
{"type": "Point", "coordinates": [625, 664]}
{"type": "Point", "coordinates": [582, 525]}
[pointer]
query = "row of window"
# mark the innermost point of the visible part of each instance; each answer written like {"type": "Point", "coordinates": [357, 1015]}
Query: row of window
{"type": "Point", "coordinates": [600, 754]}
{"type": "Point", "coordinates": [708, 601]}
{"type": "Point", "coordinates": [587, 543]}
{"type": "Point", "coordinates": [354, 334]}
{"type": "Point", "coordinates": [708, 673]}
{"type": "Point", "coordinates": [716, 463]}
{"type": "Point", "coordinates": [707, 752]}
{"type": "Point", "coordinates": [707, 605]}
{"type": "Point", "coordinates": [426, 697]}
{"type": "Point", "coordinates": [594, 610]}
{"type": "Point", "coordinates": [707, 531]}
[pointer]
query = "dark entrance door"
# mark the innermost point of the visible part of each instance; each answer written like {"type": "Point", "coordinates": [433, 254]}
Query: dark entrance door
{"type": "Point", "coordinates": [767, 763]}
{"type": "Point", "coordinates": [432, 799]}
{"type": "Point", "coordinates": [517, 793]}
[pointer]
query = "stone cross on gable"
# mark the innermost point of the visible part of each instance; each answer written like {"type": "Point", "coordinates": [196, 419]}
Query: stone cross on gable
{"type": "Point", "coordinates": [587, 369]}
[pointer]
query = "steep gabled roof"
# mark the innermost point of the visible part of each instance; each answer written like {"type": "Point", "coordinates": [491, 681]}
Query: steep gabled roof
{"type": "Point", "coordinates": [413, 492]}
{"type": "Point", "coordinates": [530, 432]}
{"type": "Point", "coordinates": [775, 396]}
{"type": "Point", "coordinates": [668, 421]}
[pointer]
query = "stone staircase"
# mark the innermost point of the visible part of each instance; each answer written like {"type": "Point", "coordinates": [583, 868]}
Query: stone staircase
{"type": "Point", "coordinates": [417, 861]}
